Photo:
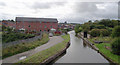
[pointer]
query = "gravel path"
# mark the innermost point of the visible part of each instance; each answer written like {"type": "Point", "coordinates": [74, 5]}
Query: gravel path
{"type": "Point", "coordinates": [53, 40]}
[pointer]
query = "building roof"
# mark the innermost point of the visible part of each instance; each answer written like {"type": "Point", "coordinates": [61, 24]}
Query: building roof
{"type": "Point", "coordinates": [18, 19]}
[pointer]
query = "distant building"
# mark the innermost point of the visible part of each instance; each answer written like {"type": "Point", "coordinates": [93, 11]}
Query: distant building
{"type": "Point", "coordinates": [8, 23]}
{"type": "Point", "coordinates": [36, 24]}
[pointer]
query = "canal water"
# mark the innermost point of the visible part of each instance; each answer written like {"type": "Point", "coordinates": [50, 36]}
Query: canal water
{"type": "Point", "coordinates": [79, 52]}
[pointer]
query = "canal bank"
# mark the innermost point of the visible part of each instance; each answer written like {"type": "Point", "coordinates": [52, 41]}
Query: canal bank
{"type": "Point", "coordinates": [79, 52]}
{"type": "Point", "coordinates": [95, 48]}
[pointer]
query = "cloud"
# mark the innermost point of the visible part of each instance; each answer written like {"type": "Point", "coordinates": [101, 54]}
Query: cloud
{"type": "Point", "coordinates": [2, 4]}
{"type": "Point", "coordinates": [85, 7]}
{"type": "Point", "coordinates": [76, 11]}
{"type": "Point", "coordinates": [46, 5]}
{"type": "Point", "coordinates": [95, 10]}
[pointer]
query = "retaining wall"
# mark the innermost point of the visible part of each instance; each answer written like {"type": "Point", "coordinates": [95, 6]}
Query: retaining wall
{"type": "Point", "coordinates": [52, 58]}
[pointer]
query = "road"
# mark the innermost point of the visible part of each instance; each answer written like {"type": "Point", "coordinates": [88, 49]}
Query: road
{"type": "Point", "coordinates": [53, 40]}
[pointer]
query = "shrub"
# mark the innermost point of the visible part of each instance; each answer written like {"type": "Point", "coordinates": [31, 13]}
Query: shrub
{"type": "Point", "coordinates": [116, 46]}
{"type": "Point", "coordinates": [116, 31]}
{"type": "Point", "coordinates": [22, 47]}
{"type": "Point", "coordinates": [104, 32]}
{"type": "Point", "coordinates": [95, 32]}
{"type": "Point", "coordinates": [100, 26]}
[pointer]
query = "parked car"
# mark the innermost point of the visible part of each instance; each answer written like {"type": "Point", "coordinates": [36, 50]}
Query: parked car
{"type": "Point", "coordinates": [50, 34]}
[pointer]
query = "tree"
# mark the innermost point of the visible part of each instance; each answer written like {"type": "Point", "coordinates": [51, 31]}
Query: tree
{"type": "Point", "coordinates": [116, 32]}
{"type": "Point", "coordinates": [104, 32]}
{"type": "Point", "coordinates": [95, 32]}
{"type": "Point", "coordinates": [100, 26]}
{"type": "Point", "coordinates": [78, 29]}
{"type": "Point", "coordinates": [116, 46]}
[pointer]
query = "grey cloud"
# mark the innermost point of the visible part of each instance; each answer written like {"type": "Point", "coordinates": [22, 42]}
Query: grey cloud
{"type": "Point", "coordinates": [46, 5]}
{"type": "Point", "coordinates": [2, 4]}
{"type": "Point", "coordinates": [89, 10]}
{"type": "Point", "coordinates": [85, 7]}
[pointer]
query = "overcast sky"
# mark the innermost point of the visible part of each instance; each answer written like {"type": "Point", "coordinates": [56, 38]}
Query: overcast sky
{"type": "Point", "coordinates": [72, 11]}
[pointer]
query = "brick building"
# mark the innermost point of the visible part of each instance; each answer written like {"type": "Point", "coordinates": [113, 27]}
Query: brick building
{"type": "Point", "coordinates": [36, 24]}
{"type": "Point", "coordinates": [8, 23]}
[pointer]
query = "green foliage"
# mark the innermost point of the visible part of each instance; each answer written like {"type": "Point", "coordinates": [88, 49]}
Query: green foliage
{"type": "Point", "coordinates": [116, 46]}
{"type": "Point", "coordinates": [78, 29]}
{"type": "Point", "coordinates": [95, 32]}
{"type": "Point", "coordinates": [9, 35]}
{"type": "Point", "coordinates": [116, 32]}
{"type": "Point", "coordinates": [104, 32]}
{"type": "Point", "coordinates": [108, 22]}
{"type": "Point", "coordinates": [99, 32]}
{"type": "Point", "coordinates": [13, 36]}
{"type": "Point", "coordinates": [22, 47]}
{"type": "Point", "coordinates": [100, 27]}
{"type": "Point", "coordinates": [43, 55]}
{"type": "Point", "coordinates": [102, 49]}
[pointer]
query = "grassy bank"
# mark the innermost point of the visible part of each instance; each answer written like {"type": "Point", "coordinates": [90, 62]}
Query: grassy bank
{"type": "Point", "coordinates": [41, 56]}
{"type": "Point", "coordinates": [19, 48]}
{"type": "Point", "coordinates": [105, 51]}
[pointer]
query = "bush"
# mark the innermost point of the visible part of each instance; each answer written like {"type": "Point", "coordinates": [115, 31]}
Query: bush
{"type": "Point", "coordinates": [116, 46]}
{"type": "Point", "coordinates": [116, 31]}
{"type": "Point", "coordinates": [104, 32]}
{"type": "Point", "coordinates": [95, 32]}
{"type": "Point", "coordinates": [77, 29]}
{"type": "Point", "coordinates": [22, 47]}
{"type": "Point", "coordinates": [100, 27]}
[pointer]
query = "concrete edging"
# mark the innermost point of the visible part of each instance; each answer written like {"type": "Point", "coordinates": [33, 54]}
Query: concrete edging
{"type": "Point", "coordinates": [50, 59]}
{"type": "Point", "coordinates": [96, 49]}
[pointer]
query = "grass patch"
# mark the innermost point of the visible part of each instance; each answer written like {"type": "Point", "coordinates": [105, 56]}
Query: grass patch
{"type": "Point", "coordinates": [106, 52]}
{"type": "Point", "coordinates": [19, 48]}
{"type": "Point", "coordinates": [41, 56]}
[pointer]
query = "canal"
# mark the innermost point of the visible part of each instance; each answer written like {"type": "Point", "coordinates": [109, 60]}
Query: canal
{"type": "Point", "coordinates": [79, 52]}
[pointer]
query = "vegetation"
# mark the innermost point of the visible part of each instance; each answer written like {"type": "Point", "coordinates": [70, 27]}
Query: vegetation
{"type": "Point", "coordinates": [116, 32]}
{"type": "Point", "coordinates": [19, 48]}
{"type": "Point", "coordinates": [105, 48]}
{"type": "Point", "coordinates": [78, 29]}
{"type": "Point", "coordinates": [41, 56]}
{"type": "Point", "coordinates": [95, 32]}
{"type": "Point", "coordinates": [106, 31]}
{"type": "Point", "coordinates": [10, 35]}
{"type": "Point", "coordinates": [116, 42]}
{"type": "Point", "coordinates": [107, 52]}
{"type": "Point", "coordinates": [116, 46]}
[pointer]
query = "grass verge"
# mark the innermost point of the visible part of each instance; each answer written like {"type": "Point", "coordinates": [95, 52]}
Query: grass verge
{"type": "Point", "coordinates": [41, 56]}
{"type": "Point", "coordinates": [106, 52]}
{"type": "Point", "coordinates": [19, 48]}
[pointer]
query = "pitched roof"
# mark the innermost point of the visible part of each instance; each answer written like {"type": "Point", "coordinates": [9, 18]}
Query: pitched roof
{"type": "Point", "coordinates": [18, 19]}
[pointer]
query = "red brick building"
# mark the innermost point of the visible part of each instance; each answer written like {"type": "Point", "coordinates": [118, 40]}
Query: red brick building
{"type": "Point", "coordinates": [8, 23]}
{"type": "Point", "coordinates": [36, 24]}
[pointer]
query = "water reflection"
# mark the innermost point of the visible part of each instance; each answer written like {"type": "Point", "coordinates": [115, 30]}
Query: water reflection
{"type": "Point", "coordinates": [84, 44]}
{"type": "Point", "coordinates": [80, 52]}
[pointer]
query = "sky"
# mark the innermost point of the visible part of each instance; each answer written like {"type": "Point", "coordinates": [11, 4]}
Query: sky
{"type": "Point", "coordinates": [72, 11]}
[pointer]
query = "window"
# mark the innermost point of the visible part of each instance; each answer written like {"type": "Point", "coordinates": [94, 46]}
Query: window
{"type": "Point", "coordinates": [40, 30]}
{"type": "Point", "coordinates": [45, 26]}
{"type": "Point", "coordinates": [29, 26]}
{"type": "Point", "coordinates": [40, 21]}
